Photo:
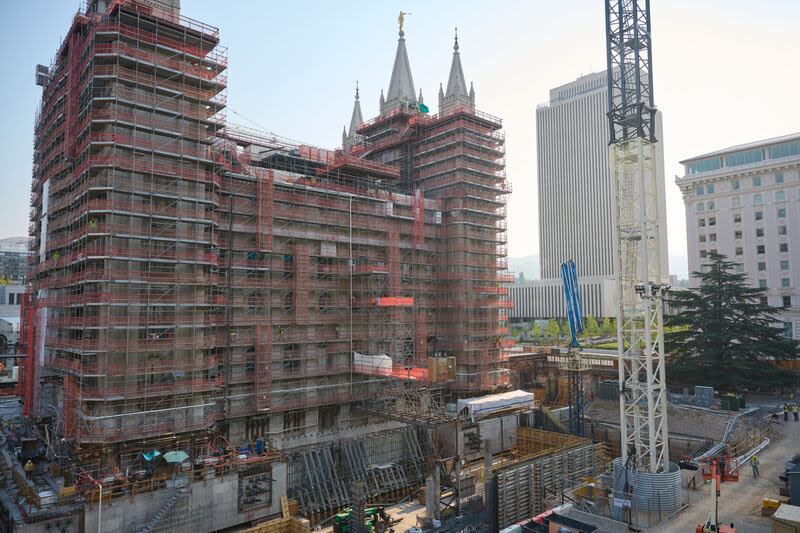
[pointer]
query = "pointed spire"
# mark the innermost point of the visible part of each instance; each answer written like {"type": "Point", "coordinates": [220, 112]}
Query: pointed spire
{"type": "Point", "coordinates": [356, 119]}
{"type": "Point", "coordinates": [456, 84]}
{"type": "Point", "coordinates": [456, 93]}
{"type": "Point", "coordinates": [401, 85]}
{"type": "Point", "coordinates": [419, 98]}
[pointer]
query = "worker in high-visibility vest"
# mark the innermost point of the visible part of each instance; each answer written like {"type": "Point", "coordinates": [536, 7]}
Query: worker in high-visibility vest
{"type": "Point", "coordinates": [754, 465]}
{"type": "Point", "coordinates": [785, 413]}
{"type": "Point", "coordinates": [29, 469]}
{"type": "Point", "coordinates": [794, 412]}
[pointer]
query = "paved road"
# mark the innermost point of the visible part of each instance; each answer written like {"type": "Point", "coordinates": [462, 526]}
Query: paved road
{"type": "Point", "coordinates": [740, 502]}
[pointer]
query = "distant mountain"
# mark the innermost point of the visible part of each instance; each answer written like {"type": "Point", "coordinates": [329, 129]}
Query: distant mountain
{"type": "Point", "coordinates": [527, 265]}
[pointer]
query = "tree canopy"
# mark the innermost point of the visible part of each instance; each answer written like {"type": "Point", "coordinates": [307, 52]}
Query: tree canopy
{"type": "Point", "coordinates": [722, 334]}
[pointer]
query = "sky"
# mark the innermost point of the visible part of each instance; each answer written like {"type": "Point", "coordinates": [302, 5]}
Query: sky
{"type": "Point", "coordinates": [724, 73]}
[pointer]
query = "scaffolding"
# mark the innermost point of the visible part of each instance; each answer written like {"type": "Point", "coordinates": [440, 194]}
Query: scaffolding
{"type": "Point", "coordinates": [458, 159]}
{"type": "Point", "coordinates": [123, 224]}
{"type": "Point", "coordinates": [192, 276]}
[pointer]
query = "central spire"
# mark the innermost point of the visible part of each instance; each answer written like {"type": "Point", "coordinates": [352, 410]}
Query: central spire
{"type": "Point", "coordinates": [401, 86]}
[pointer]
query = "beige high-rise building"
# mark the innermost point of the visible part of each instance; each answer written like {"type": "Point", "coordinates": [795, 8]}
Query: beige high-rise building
{"type": "Point", "coordinates": [742, 202]}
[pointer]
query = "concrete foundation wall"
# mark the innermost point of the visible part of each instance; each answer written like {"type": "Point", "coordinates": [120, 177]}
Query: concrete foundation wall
{"type": "Point", "coordinates": [213, 505]}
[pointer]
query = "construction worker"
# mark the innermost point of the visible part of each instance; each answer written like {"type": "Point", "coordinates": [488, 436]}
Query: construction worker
{"type": "Point", "coordinates": [785, 413]}
{"type": "Point", "coordinates": [794, 412]}
{"type": "Point", "coordinates": [754, 465]}
{"type": "Point", "coordinates": [29, 469]}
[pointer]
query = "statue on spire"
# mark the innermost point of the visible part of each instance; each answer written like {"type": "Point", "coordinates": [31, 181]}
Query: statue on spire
{"type": "Point", "coordinates": [401, 19]}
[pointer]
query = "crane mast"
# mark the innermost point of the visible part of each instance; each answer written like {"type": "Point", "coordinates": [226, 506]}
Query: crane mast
{"type": "Point", "coordinates": [641, 284]}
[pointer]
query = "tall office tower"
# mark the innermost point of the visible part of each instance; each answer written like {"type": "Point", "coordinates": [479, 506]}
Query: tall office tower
{"type": "Point", "coordinates": [576, 200]}
{"type": "Point", "coordinates": [742, 202]}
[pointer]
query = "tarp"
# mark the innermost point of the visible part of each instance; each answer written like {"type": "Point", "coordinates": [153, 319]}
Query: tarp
{"type": "Point", "coordinates": [486, 405]}
{"type": "Point", "coordinates": [376, 365]}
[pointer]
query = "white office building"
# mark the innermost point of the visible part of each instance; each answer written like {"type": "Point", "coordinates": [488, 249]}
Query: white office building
{"type": "Point", "coordinates": [742, 202]}
{"type": "Point", "coordinates": [576, 201]}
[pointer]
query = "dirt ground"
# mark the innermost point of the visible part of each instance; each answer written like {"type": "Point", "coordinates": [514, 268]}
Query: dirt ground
{"type": "Point", "coordinates": [740, 502]}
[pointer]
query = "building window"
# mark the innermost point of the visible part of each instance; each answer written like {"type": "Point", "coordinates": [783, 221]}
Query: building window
{"type": "Point", "coordinates": [328, 417]}
{"type": "Point", "coordinates": [711, 206]}
{"type": "Point", "coordinates": [712, 237]}
{"type": "Point", "coordinates": [700, 207]}
{"type": "Point", "coordinates": [712, 221]}
{"type": "Point", "coordinates": [703, 254]}
{"type": "Point", "coordinates": [699, 191]}
{"type": "Point", "coordinates": [702, 238]}
{"type": "Point", "coordinates": [757, 199]}
{"type": "Point", "coordinates": [760, 249]}
{"type": "Point", "coordinates": [764, 300]}
{"type": "Point", "coordinates": [701, 222]}
{"type": "Point", "coordinates": [787, 301]}
{"type": "Point", "coordinates": [293, 423]}
{"type": "Point", "coordinates": [784, 150]}
{"type": "Point", "coordinates": [739, 268]}
{"type": "Point", "coordinates": [781, 230]}
{"type": "Point", "coordinates": [788, 330]}
{"type": "Point", "coordinates": [784, 264]}
{"type": "Point", "coordinates": [739, 250]}
{"type": "Point", "coordinates": [757, 181]}
{"type": "Point", "coordinates": [736, 186]}
{"type": "Point", "coordinates": [782, 212]}
{"type": "Point", "coordinates": [710, 188]}
{"type": "Point", "coordinates": [759, 215]}
{"type": "Point", "coordinates": [737, 218]}
{"type": "Point", "coordinates": [744, 158]}
{"type": "Point", "coordinates": [762, 266]}
{"type": "Point", "coordinates": [780, 196]}
{"type": "Point", "coordinates": [737, 234]}
{"type": "Point", "coordinates": [762, 283]}
{"type": "Point", "coordinates": [736, 201]}
{"type": "Point", "coordinates": [779, 177]}
{"type": "Point", "coordinates": [783, 247]}
{"type": "Point", "coordinates": [786, 283]}
{"type": "Point", "coordinates": [704, 165]}
{"type": "Point", "coordinates": [759, 232]}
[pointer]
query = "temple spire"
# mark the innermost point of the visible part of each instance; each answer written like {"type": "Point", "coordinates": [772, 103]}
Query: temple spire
{"type": "Point", "coordinates": [357, 119]}
{"type": "Point", "coordinates": [351, 137]}
{"type": "Point", "coordinates": [401, 85]}
{"type": "Point", "coordinates": [456, 93]}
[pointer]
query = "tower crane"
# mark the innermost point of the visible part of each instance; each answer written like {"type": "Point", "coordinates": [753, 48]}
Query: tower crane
{"type": "Point", "coordinates": [641, 283]}
{"type": "Point", "coordinates": [575, 364]}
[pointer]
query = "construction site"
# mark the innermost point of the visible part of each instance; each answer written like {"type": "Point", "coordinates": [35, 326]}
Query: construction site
{"type": "Point", "coordinates": [227, 330]}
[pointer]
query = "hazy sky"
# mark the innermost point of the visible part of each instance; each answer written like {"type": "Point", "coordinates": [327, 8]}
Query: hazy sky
{"type": "Point", "coordinates": [725, 72]}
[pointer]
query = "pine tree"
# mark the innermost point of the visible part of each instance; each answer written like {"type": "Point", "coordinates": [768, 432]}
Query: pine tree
{"type": "Point", "coordinates": [722, 335]}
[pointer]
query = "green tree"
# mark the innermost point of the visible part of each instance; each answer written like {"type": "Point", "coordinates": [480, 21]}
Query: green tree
{"type": "Point", "coordinates": [590, 327]}
{"type": "Point", "coordinates": [608, 328]}
{"type": "Point", "coordinates": [536, 331]}
{"type": "Point", "coordinates": [552, 330]}
{"type": "Point", "coordinates": [722, 335]}
{"type": "Point", "coordinates": [564, 327]}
